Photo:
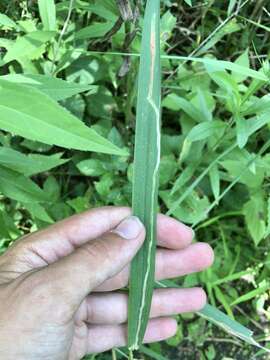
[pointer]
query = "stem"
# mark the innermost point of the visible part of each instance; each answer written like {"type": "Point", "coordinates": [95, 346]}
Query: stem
{"type": "Point", "coordinates": [131, 357]}
{"type": "Point", "coordinates": [114, 356]}
{"type": "Point", "coordinates": [61, 35]}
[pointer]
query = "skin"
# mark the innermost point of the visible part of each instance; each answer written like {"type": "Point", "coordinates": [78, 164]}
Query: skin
{"type": "Point", "coordinates": [59, 287]}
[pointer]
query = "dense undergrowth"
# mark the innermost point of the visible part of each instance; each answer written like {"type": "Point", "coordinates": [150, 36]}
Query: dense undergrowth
{"type": "Point", "coordinates": [215, 123]}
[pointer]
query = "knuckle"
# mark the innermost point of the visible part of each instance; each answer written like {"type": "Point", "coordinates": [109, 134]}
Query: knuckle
{"type": "Point", "coordinates": [98, 251]}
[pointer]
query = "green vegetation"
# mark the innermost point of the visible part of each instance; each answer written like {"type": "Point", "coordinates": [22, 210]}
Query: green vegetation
{"type": "Point", "coordinates": [145, 179]}
{"type": "Point", "coordinates": [64, 69]}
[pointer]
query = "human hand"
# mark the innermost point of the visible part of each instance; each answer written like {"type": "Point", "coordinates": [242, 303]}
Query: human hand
{"type": "Point", "coordinates": [57, 286]}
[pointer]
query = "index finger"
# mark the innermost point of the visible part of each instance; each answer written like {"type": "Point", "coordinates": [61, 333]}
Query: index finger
{"type": "Point", "coordinates": [62, 238]}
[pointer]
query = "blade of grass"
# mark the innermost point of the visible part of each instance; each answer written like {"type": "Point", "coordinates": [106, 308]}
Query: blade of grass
{"type": "Point", "coordinates": [145, 178]}
{"type": "Point", "coordinates": [220, 319]}
{"type": "Point", "coordinates": [217, 65]}
{"type": "Point", "coordinates": [232, 327]}
{"type": "Point", "coordinates": [251, 294]}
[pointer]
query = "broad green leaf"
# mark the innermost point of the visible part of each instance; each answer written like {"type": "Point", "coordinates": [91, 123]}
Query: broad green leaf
{"type": "Point", "coordinates": [104, 185]}
{"type": "Point", "coordinates": [175, 102]}
{"type": "Point", "coordinates": [79, 204]}
{"type": "Point", "coordinates": [205, 130]}
{"type": "Point", "coordinates": [94, 31]}
{"type": "Point", "coordinates": [29, 46]}
{"type": "Point", "coordinates": [167, 26]}
{"type": "Point", "coordinates": [47, 13]}
{"type": "Point", "coordinates": [242, 60]}
{"type": "Point", "coordinates": [240, 167]}
{"type": "Point", "coordinates": [6, 43]}
{"type": "Point", "coordinates": [57, 89]}
{"type": "Point", "coordinates": [29, 165]}
{"type": "Point", "coordinates": [38, 212]}
{"type": "Point", "coordinates": [91, 167]}
{"type": "Point", "coordinates": [104, 10]}
{"type": "Point", "coordinates": [145, 178]}
{"type": "Point", "coordinates": [241, 131]}
{"type": "Point", "coordinates": [189, 2]}
{"type": "Point", "coordinates": [167, 169]}
{"type": "Point", "coordinates": [254, 217]}
{"type": "Point", "coordinates": [37, 117]}
{"type": "Point", "coordinates": [52, 189]}
{"type": "Point", "coordinates": [215, 181]}
{"type": "Point", "coordinates": [226, 82]}
{"type": "Point", "coordinates": [7, 22]}
{"type": "Point", "coordinates": [204, 105]}
{"type": "Point", "coordinates": [17, 187]}
{"type": "Point", "coordinates": [192, 208]}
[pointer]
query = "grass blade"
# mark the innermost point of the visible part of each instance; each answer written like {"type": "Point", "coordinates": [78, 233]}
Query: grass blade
{"type": "Point", "coordinates": [47, 11]}
{"type": "Point", "coordinates": [232, 327]}
{"type": "Point", "coordinates": [145, 179]}
{"type": "Point", "coordinates": [212, 64]}
{"type": "Point", "coordinates": [220, 319]}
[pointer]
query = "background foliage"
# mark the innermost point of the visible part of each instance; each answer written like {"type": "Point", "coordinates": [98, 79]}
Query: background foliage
{"type": "Point", "coordinates": [215, 123]}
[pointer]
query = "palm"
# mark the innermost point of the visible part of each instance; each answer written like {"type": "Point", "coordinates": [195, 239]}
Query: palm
{"type": "Point", "coordinates": [67, 321]}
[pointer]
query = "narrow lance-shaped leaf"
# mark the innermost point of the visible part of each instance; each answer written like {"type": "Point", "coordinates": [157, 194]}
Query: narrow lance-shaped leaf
{"type": "Point", "coordinates": [213, 64]}
{"type": "Point", "coordinates": [145, 180]}
{"type": "Point", "coordinates": [57, 89]}
{"type": "Point", "coordinates": [47, 11]}
{"type": "Point", "coordinates": [218, 318]}
{"type": "Point", "coordinates": [37, 117]}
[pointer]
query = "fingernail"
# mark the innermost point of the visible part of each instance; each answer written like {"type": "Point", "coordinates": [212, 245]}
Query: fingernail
{"type": "Point", "coordinates": [129, 228]}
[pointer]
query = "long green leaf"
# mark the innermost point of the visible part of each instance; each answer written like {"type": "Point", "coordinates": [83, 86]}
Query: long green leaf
{"type": "Point", "coordinates": [29, 46]}
{"type": "Point", "coordinates": [145, 179]}
{"type": "Point", "coordinates": [31, 164]}
{"type": "Point", "coordinates": [57, 89]}
{"type": "Point", "coordinates": [204, 130]}
{"type": "Point", "coordinates": [94, 31]}
{"type": "Point", "coordinates": [7, 22]}
{"type": "Point", "coordinates": [214, 64]}
{"type": "Point", "coordinates": [20, 188]}
{"type": "Point", "coordinates": [218, 318]}
{"type": "Point", "coordinates": [232, 327]}
{"type": "Point", "coordinates": [47, 13]}
{"type": "Point", "coordinates": [37, 117]}
{"type": "Point", "coordinates": [218, 65]}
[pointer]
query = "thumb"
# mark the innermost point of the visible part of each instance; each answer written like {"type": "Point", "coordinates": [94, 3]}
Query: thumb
{"type": "Point", "coordinates": [77, 274]}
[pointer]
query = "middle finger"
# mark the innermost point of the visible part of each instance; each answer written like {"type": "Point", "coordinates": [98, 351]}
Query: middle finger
{"type": "Point", "coordinates": [169, 264]}
{"type": "Point", "coordinates": [112, 308]}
